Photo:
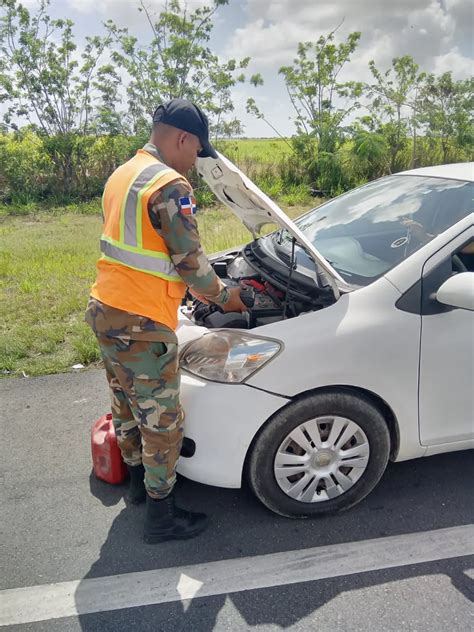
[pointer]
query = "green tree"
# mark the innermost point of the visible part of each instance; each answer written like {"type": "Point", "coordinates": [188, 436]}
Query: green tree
{"type": "Point", "coordinates": [395, 98]}
{"type": "Point", "coordinates": [229, 129]}
{"type": "Point", "coordinates": [447, 110]}
{"type": "Point", "coordinates": [322, 104]}
{"type": "Point", "coordinates": [252, 108]}
{"type": "Point", "coordinates": [321, 101]}
{"type": "Point", "coordinates": [42, 78]}
{"type": "Point", "coordinates": [369, 153]}
{"type": "Point", "coordinates": [46, 82]}
{"type": "Point", "coordinates": [107, 119]}
{"type": "Point", "coordinates": [177, 62]}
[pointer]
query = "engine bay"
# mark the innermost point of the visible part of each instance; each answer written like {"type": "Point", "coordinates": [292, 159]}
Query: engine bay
{"type": "Point", "coordinates": [268, 299]}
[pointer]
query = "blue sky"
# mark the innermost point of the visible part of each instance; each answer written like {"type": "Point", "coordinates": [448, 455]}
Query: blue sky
{"type": "Point", "coordinates": [437, 33]}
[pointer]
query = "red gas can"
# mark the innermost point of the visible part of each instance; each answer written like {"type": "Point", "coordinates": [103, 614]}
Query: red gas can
{"type": "Point", "coordinates": [106, 457]}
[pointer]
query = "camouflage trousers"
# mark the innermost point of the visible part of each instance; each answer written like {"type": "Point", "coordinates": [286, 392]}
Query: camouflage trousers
{"type": "Point", "coordinates": [143, 381]}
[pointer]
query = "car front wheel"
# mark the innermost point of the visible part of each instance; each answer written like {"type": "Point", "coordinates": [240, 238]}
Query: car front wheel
{"type": "Point", "coordinates": [321, 453]}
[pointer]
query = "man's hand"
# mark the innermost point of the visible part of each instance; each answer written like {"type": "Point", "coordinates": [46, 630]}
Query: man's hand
{"type": "Point", "coordinates": [234, 304]}
{"type": "Point", "coordinates": [417, 230]}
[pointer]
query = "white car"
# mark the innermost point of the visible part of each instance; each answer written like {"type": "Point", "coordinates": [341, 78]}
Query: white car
{"type": "Point", "coordinates": [359, 347]}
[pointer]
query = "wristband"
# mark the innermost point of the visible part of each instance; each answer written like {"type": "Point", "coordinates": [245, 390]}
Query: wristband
{"type": "Point", "coordinates": [224, 296]}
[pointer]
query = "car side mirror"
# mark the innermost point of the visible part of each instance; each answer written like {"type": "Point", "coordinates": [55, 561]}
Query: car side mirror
{"type": "Point", "coordinates": [458, 291]}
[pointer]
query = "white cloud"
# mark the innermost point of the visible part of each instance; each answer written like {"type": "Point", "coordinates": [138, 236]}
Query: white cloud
{"type": "Point", "coordinates": [454, 62]}
{"type": "Point", "coordinates": [434, 32]}
{"type": "Point", "coordinates": [425, 29]}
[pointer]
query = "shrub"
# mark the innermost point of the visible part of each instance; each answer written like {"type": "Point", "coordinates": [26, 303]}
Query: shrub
{"type": "Point", "coordinates": [26, 170]}
{"type": "Point", "coordinates": [62, 169]}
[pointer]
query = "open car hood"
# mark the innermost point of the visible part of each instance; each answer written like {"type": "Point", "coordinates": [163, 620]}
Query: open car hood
{"type": "Point", "coordinates": [255, 209]}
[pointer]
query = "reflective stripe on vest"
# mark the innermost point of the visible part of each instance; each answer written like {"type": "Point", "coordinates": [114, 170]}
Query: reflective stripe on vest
{"type": "Point", "coordinates": [129, 249]}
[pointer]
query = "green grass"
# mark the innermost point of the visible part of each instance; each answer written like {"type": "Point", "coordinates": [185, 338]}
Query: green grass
{"type": "Point", "coordinates": [47, 265]}
{"type": "Point", "coordinates": [91, 207]}
{"type": "Point", "coordinates": [260, 149]}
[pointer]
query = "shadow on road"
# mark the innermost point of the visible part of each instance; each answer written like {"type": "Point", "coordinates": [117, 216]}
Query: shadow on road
{"type": "Point", "coordinates": [415, 496]}
{"type": "Point", "coordinates": [109, 495]}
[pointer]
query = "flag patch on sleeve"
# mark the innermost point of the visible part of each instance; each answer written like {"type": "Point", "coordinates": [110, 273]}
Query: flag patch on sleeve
{"type": "Point", "coordinates": [188, 205]}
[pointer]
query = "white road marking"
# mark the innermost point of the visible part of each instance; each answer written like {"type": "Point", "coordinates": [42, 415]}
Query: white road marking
{"type": "Point", "coordinates": [187, 588]}
{"type": "Point", "coordinates": [164, 585]}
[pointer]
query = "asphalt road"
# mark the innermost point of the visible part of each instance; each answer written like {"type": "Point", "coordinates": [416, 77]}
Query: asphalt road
{"type": "Point", "coordinates": [60, 524]}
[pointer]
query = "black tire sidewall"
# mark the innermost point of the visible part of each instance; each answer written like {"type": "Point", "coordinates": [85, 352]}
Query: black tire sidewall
{"type": "Point", "coordinates": [343, 404]}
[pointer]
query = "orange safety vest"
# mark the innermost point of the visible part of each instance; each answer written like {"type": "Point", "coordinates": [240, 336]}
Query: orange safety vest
{"type": "Point", "coordinates": [135, 272]}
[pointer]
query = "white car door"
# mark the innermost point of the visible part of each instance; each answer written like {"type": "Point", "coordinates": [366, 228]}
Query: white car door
{"type": "Point", "coordinates": [446, 386]}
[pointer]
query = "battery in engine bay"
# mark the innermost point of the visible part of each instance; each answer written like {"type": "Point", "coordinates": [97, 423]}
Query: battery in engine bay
{"type": "Point", "coordinates": [265, 309]}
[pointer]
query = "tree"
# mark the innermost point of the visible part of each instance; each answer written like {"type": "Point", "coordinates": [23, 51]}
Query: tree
{"type": "Point", "coordinates": [229, 129]}
{"type": "Point", "coordinates": [446, 108]}
{"type": "Point", "coordinates": [322, 104]}
{"type": "Point", "coordinates": [41, 76]}
{"type": "Point", "coordinates": [395, 105]}
{"type": "Point", "coordinates": [320, 100]}
{"type": "Point", "coordinates": [177, 62]}
{"type": "Point", "coordinates": [45, 81]}
{"type": "Point", "coordinates": [369, 152]}
{"type": "Point", "coordinates": [106, 118]}
{"type": "Point", "coordinates": [252, 108]}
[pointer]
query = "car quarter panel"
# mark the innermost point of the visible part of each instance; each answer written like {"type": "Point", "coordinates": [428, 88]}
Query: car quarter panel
{"type": "Point", "coordinates": [361, 341]}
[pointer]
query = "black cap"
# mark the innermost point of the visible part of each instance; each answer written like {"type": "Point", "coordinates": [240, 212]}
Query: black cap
{"type": "Point", "coordinates": [187, 116]}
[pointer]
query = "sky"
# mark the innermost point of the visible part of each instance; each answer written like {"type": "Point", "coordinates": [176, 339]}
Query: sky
{"type": "Point", "coordinates": [437, 33]}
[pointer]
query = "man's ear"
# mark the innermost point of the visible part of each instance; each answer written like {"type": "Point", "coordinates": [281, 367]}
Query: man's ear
{"type": "Point", "coordinates": [182, 137]}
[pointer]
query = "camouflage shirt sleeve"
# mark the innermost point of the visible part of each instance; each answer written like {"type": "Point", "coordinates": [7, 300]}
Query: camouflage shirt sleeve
{"type": "Point", "coordinates": [181, 235]}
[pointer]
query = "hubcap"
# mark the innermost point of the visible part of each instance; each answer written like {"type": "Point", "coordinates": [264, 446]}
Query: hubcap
{"type": "Point", "coordinates": [321, 459]}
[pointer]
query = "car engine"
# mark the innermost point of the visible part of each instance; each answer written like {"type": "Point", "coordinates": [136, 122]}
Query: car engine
{"type": "Point", "coordinates": [267, 301]}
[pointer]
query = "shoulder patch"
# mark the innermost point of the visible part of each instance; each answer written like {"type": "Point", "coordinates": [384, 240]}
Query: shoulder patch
{"type": "Point", "coordinates": [187, 205]}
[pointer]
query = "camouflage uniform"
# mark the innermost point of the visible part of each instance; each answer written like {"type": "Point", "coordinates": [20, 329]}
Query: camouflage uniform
{"type": "Point", "coordinates": [141, 357]}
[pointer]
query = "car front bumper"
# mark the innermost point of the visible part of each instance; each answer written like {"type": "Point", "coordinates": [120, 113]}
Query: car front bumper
{"type": "Point", "coordinates": [221, 420]}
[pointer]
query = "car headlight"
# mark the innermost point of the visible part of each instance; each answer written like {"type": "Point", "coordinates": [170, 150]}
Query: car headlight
{"type": "Point", "coordinates": [228, 356]}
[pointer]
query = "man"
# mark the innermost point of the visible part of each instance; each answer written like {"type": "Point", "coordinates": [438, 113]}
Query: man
{"type": "Point", "coordinates": [151, 252]}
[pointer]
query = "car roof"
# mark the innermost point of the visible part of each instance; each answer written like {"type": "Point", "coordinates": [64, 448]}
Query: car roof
{"type": "Point", "coordinates": [456, 171]}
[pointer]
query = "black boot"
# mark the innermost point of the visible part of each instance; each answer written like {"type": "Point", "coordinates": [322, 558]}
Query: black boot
{"type": "Point", "coordinates": [164, 521]}
{"type": "Point", "coordinates": [136, 491]}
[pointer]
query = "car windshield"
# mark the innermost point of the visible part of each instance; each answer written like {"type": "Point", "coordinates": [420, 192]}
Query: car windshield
{"type": "Point", "coordinates": [368, 231]}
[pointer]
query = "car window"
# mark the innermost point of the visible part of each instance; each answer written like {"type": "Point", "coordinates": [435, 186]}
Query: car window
{"type": "Point", "coordinates": [368, 231]}
{"type": "Point", "coordinates": [463, 259]}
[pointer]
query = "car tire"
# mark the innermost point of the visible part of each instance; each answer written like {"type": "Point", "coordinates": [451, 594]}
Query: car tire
{"type": "Point", "coordinates": [342, 404]}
